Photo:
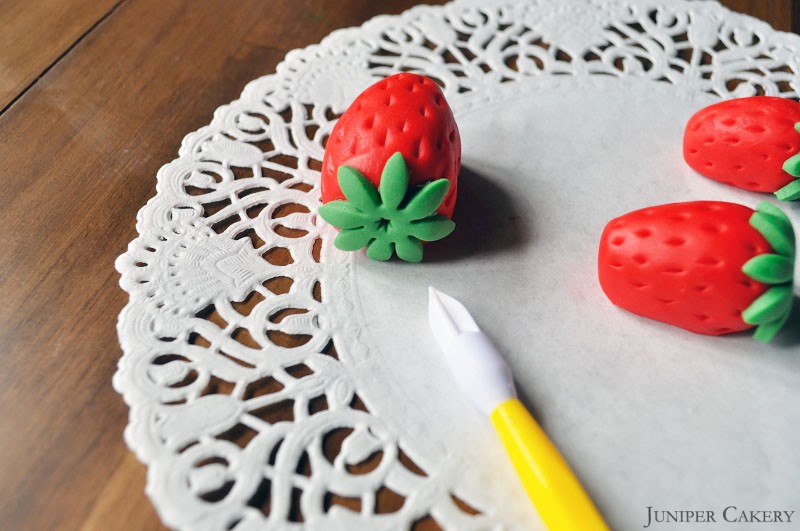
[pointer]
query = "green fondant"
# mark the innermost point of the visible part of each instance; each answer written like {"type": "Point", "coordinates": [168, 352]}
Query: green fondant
{"type": "Point", "coordinates": [792, 165]}
{"type": "Point", "coordinates": [380, 249]}
{"type": "Point", "coordinates": [427, 200]}
{"type": "Point", "coordinates": [344, 215]}
{"type": "Point", "coordinates": [781, 240]}
{"type": "Point", "coordinates": [769, 268]}
{"type": "Point", "coordinates": [357, 189]}
{"type": "Point", "coordinates": [765, 332]}
{"type": "Point", "coordinates": [394, 181]}
{"type": "Point", "coordinates": [780, 216]}
{"type": "Point", "coordinates": [353, 239]}
{"type": "Point", "coordinates": [432, 228]}
{"type": "Point", "coordinates": [771, 310]}
{"type": "Point", "coordinates": [770, 306]}
{"type": "Point", "coordinates": [409, 249]}
{"type": "Point", "coordinates": [391, 219]}
{"type": "Point", "coordinates": [790, 192]}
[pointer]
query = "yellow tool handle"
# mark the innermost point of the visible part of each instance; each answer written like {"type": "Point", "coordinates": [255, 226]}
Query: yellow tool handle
{"type": "Point", "coordinates": [551, 485]}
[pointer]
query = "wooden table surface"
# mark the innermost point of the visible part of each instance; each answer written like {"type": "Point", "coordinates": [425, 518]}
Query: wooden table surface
{"type": "Point", "coordinates": [96, 95]}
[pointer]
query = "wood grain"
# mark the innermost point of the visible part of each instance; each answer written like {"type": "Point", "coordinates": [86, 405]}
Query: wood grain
{"type": "Point", "coordinates": [34, 35]}
{"type": "Point", "coordinates": [781, 14]}
{"type": "Point", "coordinates": [80, 149]}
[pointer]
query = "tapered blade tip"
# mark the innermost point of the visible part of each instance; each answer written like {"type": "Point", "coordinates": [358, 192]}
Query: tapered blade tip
{"type": "Point", "coordinates": [475, 363]}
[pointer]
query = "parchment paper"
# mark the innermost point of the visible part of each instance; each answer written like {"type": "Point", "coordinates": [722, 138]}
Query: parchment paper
{"type": "Point", "coordinates": [647, 414]}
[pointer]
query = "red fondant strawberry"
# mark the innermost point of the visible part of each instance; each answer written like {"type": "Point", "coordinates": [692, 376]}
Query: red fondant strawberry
{"type": "Point", "coordinates": [401, 128]}
{"type": "Point", "coordinates": [752, 143]}
{"type": "Point", "coordinates": [709, 267]}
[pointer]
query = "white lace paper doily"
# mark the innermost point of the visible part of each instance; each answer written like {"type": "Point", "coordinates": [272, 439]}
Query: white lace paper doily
{"type": "Point", "coordinates": [571, 113]}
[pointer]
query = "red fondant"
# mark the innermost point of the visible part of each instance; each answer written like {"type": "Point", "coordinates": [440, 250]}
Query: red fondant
{"type": "Point", "coordinates": [744, 142]}
{"type": "Point", "coordinates": [682, 264]}
{"type": "Point", "coordinates": [406, 113]}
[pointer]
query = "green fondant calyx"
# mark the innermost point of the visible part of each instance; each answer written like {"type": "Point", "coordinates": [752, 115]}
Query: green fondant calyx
{"type": "Point", "coordinates": [391, 219]}
{"type": "Point", "coordinates": [771, 310]}
{"type": "Point", "coordinates": [791, 192]}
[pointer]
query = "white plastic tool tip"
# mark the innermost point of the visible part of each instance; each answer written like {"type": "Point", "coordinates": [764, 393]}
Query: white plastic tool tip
{"type": "Point", "coordinates": [474, 361]}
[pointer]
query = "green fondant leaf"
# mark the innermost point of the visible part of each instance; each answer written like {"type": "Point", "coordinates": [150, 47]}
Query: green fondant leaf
{"type": "Point", "coordinates": [765, 332]}
{"type": "Point", "coordinates": [797, 127]}
{"type": "Point", "coordinates": [427, 199]}
{"type": "Point", "coordinates": [344, 215]}
{"type": "Point", "coordinates": [772, 229]}
{"type": "Point", "coordinates": [790, 192]}
{"type": "Point", "coordinates": [353, 239]}
{"type": "Point", "coordinates": [373, 218]}
{"type": "Point", "coordinates": [409, 249]}
{"type": "Point", "coordinates": [380, 249]}
{"type": "Point", "coordinates": [782, 223]}
{"type": "Point", "coordinates": [432, 228]}
{"type": "Point", "coordinates": [770, 306]}
{"type": "Point", "coordinates": [394, 181]}
{"type": "Point", "coordinates": [769, 268]}
{"type": "Point", "coordinates": [768, 208]}
{"type": "Point", "coordinates": [792, 165]}
{"type": "Point", "coordinates": [358, 189]}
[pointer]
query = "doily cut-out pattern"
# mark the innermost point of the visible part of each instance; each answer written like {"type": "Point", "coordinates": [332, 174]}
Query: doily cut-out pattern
{"type": "Point", "coordinates": [240, 432]}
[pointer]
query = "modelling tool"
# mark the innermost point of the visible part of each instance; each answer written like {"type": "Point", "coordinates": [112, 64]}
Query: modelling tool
{"type": "Point", "coordinates": [485, 377]}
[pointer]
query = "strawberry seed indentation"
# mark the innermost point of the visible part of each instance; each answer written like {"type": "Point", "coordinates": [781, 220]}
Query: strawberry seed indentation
{"type": "Point", "coordinates": [709, 261]}
{"type": "Point", "coordinates": [415, 148]}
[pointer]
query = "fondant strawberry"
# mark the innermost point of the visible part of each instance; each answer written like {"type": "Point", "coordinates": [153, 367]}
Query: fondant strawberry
{"type": "Point", "coordinates": [406, 120]}
{"type": "Point", "coordinates": [709, 267]}
{"type": "Point", "coordinates": [752, 143]}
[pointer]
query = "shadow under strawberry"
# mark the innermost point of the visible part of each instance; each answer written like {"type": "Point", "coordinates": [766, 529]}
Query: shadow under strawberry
{"type": "Point", "coordinates": [790, 335]}
{"type": "Point", "coordinates": [487, 221]}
